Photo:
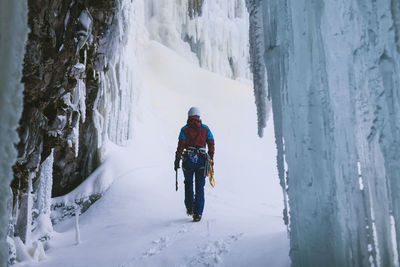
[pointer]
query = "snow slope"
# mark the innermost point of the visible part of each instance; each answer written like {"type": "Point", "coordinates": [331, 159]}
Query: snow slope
{"type": "Point", "coordinates": [141, 220]}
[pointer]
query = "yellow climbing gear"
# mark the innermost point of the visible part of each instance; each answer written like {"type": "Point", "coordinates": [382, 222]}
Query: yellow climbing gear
{"type": "Point", "coordinates": [209, 171]}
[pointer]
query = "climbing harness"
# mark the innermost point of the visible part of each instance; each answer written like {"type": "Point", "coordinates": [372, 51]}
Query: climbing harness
{"type": "Point", "coordinates": [193, 153]}
{"type": "Point", "coordinates": [198, 150]}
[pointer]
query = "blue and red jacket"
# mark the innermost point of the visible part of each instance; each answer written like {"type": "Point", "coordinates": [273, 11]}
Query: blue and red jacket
{"type": "Point", "coordinates": [196, 134]}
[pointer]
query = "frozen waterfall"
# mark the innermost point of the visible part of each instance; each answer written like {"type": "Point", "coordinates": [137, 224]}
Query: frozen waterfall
{"type": "Point", "coordinates": [333, 77]}
{"type": "Point", "coordinates": [214, 35]}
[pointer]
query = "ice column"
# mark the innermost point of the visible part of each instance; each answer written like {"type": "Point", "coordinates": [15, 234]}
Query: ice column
{"type": "Point", "coordinates": [13, 35]}
{"type": "Point", "coordinates": [43, 226]}
{"type": "Point", "coordinates": [333, 77]}
{"type": "Point", "coordinates": [257, 50]}
{"type": "Point", "coordinates": [113, 106]}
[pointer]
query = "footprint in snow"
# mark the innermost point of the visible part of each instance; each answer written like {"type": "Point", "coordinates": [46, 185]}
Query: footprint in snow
{"type": "Point", "coordinates": [184, 229]}
{"type": "Point", "coordinates": [165, 241]}
{"type": "Point", "coordinates": [159, 245]}
{"type": "Point", "coordinates": [211, 254]}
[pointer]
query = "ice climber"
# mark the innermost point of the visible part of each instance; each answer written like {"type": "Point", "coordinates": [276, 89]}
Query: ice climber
{"type": "Point", "coordinates": [192, 148]}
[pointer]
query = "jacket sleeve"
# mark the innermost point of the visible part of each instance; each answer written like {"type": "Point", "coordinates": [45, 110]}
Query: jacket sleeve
{"type": "Point", "coordinates": [181, 144]}
{"type": "Point", "coordinates": [211, 149]}
{"type": "Point", "coordinates": [210, 143]}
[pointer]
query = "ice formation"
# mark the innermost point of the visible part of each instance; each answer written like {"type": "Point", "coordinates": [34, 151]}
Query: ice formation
{"type": "Point", "coordinates": [212, 33]}
{"type": "Point", "coordinates": [114, 102]}
{"type": "Point", "coordinates": [13, 34]}
{"type": "Point", "coordinates": [333, 77]}
{"type": "Point", "coordinates": [77, 231]}
{"type": "Point", "coordinates": [257, 50]}
{"type": "Point", "coordinates": [42, 207]}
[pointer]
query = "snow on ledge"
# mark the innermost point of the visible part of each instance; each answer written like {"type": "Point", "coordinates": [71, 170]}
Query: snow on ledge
{"type": "Point", "coordinates": [83, 196]}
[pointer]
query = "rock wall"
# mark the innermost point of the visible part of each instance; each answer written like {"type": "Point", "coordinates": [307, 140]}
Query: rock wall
{"type": "Point", "coordinates": [73, 99]}
{"type": "Point", "coordinates": [69, 43]}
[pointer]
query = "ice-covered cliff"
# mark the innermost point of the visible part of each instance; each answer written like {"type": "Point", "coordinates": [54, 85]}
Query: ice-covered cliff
{"type": "Point", "coordinates": [333, 76]}
{"type": "Point", "coordinates": [78, 91]}
{"type": "Point", "coordinates": [74, 95]}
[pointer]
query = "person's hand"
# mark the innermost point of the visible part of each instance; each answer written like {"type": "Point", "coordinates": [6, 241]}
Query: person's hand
{"type": "Point", "coordinates": [176, 164]}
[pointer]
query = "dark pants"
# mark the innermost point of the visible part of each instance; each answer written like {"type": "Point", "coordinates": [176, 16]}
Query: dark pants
{"type": "Point", "coordinates": [194, 166]}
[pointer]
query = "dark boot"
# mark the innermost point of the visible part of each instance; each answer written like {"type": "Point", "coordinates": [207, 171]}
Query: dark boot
{"type": "Point", "coordinates": [189, 212]}
{"type": "Point", "coordinates": [196, 217]}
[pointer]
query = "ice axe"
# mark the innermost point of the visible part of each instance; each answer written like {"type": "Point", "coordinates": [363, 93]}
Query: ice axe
{"type": "Point", "coordinates": [176, 180]}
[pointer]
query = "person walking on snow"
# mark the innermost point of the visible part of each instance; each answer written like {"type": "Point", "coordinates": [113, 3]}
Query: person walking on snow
{"type": "Point", "coordinates": [193, 138]}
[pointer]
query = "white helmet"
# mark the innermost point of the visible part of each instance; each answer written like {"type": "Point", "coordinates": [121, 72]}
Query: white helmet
{"type": "Point", "coordinates": [194, 111]}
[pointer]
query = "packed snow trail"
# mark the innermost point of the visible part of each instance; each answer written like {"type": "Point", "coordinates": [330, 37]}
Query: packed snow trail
{"type": "Point", "coordinates": [141, 220]}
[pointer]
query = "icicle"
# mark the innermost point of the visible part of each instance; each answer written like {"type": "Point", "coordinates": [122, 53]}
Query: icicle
{"type": "Point", "coordinates": [29, 205]}
{"type": "Point", "coordinates": [77, 231]}
{"type": "Point", "coordinates": [257, 50]}
{"type": "Point", "coordinates": [82, 99]}
{"type": "Point", "coordinates": [44, 228]}
{"type": "Point", "coordinates": [75, 138]}
{"type": "Point", "coordinates": [394, 242]}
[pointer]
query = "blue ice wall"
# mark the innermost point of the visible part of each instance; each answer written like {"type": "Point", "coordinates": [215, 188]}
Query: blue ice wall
{"type": "Point", "coordinates": [333, 76]}
{"type": "Point", "coordinates": [13, 34]}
